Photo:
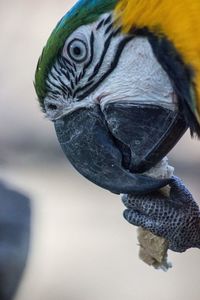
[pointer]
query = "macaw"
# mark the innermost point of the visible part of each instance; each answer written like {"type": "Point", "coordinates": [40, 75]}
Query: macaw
{"type": "Point", "coordinates": [120, 79]}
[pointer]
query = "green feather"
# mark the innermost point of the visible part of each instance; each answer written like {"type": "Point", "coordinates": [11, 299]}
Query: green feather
{"type": "Point", "coordinates": [84, 12]}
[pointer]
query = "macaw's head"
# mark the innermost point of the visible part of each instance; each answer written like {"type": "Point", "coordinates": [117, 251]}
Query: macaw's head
{"type": "Point", "coordinates": [119, 91]}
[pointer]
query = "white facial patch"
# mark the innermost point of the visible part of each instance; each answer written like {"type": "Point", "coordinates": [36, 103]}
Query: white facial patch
{"type": "Point", "coordinates": [138, 78]}
{"type": "Point", "coordinates": [101, 65]}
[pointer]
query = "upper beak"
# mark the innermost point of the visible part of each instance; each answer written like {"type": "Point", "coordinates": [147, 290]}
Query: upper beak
{"type": "Point", "coordinates": [149, 131]}
{"type": "Point", "coordinates": [108, 147]}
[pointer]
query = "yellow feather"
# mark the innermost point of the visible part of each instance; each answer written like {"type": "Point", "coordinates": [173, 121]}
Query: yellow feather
{"type": "Point", "coordinates": [178, 20]}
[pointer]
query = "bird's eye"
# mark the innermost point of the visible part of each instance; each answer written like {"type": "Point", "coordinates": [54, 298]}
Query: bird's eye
{"type": "Point", "coordinates": [77, 50]}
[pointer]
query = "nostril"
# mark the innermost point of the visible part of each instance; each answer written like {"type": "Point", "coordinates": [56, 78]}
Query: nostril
{"type": "Point", "coordinates": [52, 106]}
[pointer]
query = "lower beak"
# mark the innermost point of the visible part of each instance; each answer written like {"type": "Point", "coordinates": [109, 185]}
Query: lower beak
{"type": "Point", "coordinates": [110, 147]}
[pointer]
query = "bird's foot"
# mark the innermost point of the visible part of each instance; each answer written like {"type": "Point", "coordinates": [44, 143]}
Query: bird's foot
{"type": "Point", "coordinates": [175, 218]}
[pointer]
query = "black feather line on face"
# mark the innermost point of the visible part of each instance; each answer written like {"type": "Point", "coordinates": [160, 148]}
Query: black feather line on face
{"type": "Point", "coordinates": [107, 20]}
{"type": "Point", "coordinates": [180, 74]}
{"type": "Point", "coordinates": [64, 67]}
{"type": "Point", "coordinates": [100, 25]}
{"type": "Point", "coordinates": [56, 85]}
{"type": "Point", "coordinates": [108, 29]}
{"type": "Point", "coordinates": [100, 62]}
{"type": "Point", "coordinates": [91, 79]}
{"type": "Point", "coordinates": [113, 65]}
{"type": "Point", "coordinates": [91, 85]}
{"type": "Point", "coordinates": [91, 56]}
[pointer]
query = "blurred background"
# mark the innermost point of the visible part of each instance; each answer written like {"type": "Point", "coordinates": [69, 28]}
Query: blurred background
{"type": "Point", "coordinates": [81, 248]}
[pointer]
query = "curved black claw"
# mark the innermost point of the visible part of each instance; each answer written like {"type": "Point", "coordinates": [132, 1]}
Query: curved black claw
{"type": "Point", "coordinates": [176, 218]}
{"type": "Point", "coordinates": [92, 150]}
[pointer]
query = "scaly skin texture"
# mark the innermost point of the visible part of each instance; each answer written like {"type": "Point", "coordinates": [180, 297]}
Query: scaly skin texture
{"type": "Point", "coordinates": [177, 218]}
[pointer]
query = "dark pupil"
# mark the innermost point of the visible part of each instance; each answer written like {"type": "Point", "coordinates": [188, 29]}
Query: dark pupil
{"type": "Point", "coordinates": [77, 51]}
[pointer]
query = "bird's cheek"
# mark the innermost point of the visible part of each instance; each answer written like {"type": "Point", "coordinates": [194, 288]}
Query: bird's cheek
{"type": "Point", "coordinates": [89, 145]}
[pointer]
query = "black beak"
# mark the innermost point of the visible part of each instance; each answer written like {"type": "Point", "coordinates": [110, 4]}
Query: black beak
{"type": "Point", "coordinates": [109, 147]}
{"type": "Point", "coordinates": [147, 131]}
